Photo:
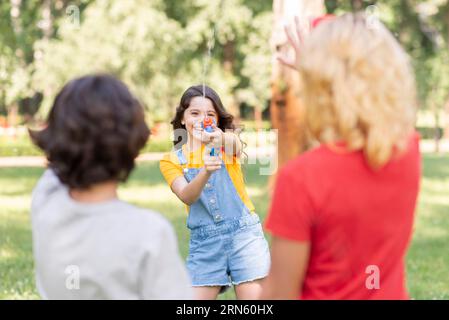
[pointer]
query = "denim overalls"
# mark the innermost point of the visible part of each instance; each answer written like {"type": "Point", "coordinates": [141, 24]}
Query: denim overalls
{"type": "Point", "coordinates": [227, 244]}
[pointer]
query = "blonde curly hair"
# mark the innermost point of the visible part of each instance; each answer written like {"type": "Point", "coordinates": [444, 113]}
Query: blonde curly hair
{"type": "Point", "coordinates": [358, 87]}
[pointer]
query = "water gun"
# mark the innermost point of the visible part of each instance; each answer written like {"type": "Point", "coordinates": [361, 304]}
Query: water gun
{"type": "Point", "coordinates": [318, 20]}
{"type": "Point", "coordinates": [207, 126]}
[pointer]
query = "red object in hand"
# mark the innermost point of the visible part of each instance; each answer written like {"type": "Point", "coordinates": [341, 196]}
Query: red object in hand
{"type": "Point", "coordinates": [315, 22]}
{"type": "Point", "coordinates": [207, 124]}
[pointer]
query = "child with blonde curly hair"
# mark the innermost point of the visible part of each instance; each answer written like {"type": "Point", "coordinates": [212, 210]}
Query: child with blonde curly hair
{"type": "Point", "coordinates": [342, 213]}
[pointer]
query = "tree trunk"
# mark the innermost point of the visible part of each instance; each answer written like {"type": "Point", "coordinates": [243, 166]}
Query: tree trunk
{"type": "Point", "coordinates": [229, 56]}
{"type": "Point", "coordinates": [47, 29]}
{"type": "Point", "coordinates": [445, 13]}
{"type": "Point", "coordinates": [436, 134]}
{"type": "Point", "coordinates": [15, 16]}
{"type": "Point", "coordinates": [258, 123]}
{"type": "Point", "coordinates": [11, 118]}
{"type": "Point", "coordinates": [258, 117]}
{"type": "Point", "coordinates": [446, 124]}
{"type": "Point", "coordinates": [356, 5]}
{"type": "Point", "coordinates": [446, 108]}
{"type": "Point", "coordinates": [287, 114]}
{"type": "Point", "coordinates": [47, 19]}
{"type": "Point", "coordinates": [15, 12]}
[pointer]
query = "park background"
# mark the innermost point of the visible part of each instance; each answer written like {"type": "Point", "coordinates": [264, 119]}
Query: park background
{"type": "Point", "coordinates": [159, 48]}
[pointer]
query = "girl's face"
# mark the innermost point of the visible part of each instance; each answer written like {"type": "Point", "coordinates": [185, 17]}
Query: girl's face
{"type": "Point", "coordinates": [198, 109]}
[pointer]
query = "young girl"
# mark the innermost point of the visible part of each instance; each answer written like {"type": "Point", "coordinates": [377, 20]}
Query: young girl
{"type": "Point", "coordinates": [227, 244]}
{"type": "Point", "coordinates": [342, 213]}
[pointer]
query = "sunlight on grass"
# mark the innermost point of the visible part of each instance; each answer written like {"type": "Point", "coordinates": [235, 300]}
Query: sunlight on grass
{"type": "Point", "coordinates": [158, 194]}
{"type": "Point", "coordinates": [22, 202]}
{"type": "Point", "coordinates": [7, 253]}
{"type": "Point", "coordinates": [255, 192]}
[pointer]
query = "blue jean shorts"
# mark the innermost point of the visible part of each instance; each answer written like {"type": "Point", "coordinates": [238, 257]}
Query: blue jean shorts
{"type": "Point", "coordinates": [229, 253]}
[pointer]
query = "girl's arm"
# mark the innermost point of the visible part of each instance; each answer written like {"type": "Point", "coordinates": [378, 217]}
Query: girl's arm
{"type": "Point", "coordinates": [190, 192]}
{"type": "Point", "coordinates": [229, 140]}
{"type": "Point", "coordinates": [232, 145]}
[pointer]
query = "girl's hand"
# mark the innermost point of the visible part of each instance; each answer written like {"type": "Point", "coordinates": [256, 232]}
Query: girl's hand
{"type": "Point", "coordinates": [296, 41]}
{"type": "Point", "coordinates": [211, 164]}
{"type": "Point", "coordinates": [215, 138]}
{"type": "Point", "coordinates": [198, 131]}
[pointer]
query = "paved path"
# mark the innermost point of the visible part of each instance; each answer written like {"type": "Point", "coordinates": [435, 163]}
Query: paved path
{"type": "Point", "coordinates": [427, 146]}
{"type": "Point", "coordinates": [39, 161]}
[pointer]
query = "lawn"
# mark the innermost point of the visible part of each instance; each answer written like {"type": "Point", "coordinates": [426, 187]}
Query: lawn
{"type": "Point", "coordinates": [427, 261]}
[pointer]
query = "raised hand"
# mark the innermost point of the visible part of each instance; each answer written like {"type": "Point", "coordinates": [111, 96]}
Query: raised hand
{"type": "Point", "coordinates": [214, 138]}
{"type": "Point", "coordinates": [295, 39]}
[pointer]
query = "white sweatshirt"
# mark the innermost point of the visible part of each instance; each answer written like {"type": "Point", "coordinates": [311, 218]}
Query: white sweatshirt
{"type": "Point", "coordinates": [108, 250]}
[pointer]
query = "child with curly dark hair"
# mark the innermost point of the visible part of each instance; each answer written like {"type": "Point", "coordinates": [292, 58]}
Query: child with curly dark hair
{"type": "Point", "coordinates": [87, 243]}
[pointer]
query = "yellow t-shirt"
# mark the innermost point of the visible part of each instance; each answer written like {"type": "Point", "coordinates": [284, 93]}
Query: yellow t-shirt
{"type": "Point", "coordinates": [172, 169]}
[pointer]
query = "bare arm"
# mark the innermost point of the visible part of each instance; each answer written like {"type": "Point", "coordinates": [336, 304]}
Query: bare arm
{"type": "Point", "coordinates": [229, 140]}
{"type": "Point", "coordinates": [232, 144]}
{"type": "Point", "coordinates": [189, 192]}
{"type": "Point", "coordinates": [289, 260]}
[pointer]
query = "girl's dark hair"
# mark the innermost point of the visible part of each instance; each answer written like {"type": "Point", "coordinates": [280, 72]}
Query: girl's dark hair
{"type": "Point", "coordinates": [95, 130]}
{"type": "Point", "coordinates": [225, 119]}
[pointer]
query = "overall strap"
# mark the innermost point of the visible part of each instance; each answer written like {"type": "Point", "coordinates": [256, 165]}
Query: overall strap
{"type": "Point", "coordinates": [181, 157]}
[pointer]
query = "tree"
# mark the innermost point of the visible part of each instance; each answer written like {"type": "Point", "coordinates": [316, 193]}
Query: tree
{"type": "Point", "coordinates": [287, 113]}
{"type": "Point", "coordinates": [257, 66]}
{"type": "Point", "coordinates": [132, 40]}
{"type": "Point", "coordinates": [22, 23]}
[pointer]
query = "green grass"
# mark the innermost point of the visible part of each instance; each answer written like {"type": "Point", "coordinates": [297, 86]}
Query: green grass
{"type": "Point", "coordinates": [427, 261]}
{"type": "Point", "coordinates": [19, 146]}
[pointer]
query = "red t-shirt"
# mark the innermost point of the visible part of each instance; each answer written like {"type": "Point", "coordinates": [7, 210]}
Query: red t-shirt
{"type": "Point", "coordinates": [352, 216]}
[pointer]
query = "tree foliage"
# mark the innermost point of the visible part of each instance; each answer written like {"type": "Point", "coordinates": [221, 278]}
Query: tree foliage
{"type": "Point", "coordinates": [159, 48]}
